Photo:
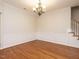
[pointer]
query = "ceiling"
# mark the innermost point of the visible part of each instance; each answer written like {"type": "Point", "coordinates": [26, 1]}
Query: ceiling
{"type": "Point", "coordinates": [50, 4]}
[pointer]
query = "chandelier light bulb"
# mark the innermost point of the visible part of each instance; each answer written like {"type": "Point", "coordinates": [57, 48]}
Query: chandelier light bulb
{"type": "Point", "coordinates": [34, 9]}
{"type": "Point", "coordinates": [37, 6]}
{"type": "Point", "coordinates": [44, 7]}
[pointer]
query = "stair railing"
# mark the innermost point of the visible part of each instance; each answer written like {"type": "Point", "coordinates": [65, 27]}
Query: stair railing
{"type": "Point", "coordinates": [75, 28]}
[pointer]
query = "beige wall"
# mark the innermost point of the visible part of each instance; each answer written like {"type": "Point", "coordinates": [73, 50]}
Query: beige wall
{"type": "Point", "coordinates": [57, 21]}
{"type": "Point", "coordinates": [0, 20]}
{"type": "Point", "coordinates": [0, 30]}
{"type": "Point", "coordinates": [53, 26]}
{"type": "Point", "coordinates": [17, 26]}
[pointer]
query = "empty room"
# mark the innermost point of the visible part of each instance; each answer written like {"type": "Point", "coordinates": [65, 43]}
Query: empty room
{"type": "Point", "coordinates": [39, 29]}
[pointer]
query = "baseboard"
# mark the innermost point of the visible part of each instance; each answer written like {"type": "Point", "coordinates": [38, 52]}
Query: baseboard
{"type": "Point", "coordinates": [15, 45]}
{"type": "Point", "coordinates": [58, 38]}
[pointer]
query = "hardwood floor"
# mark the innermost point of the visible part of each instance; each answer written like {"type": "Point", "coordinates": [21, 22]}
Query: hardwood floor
{"type": "Point", "coordinates": [40, 50]}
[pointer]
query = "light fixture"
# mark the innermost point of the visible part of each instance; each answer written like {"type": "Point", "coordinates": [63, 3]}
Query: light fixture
{"type": "Point", "coordinates": [39, 8]}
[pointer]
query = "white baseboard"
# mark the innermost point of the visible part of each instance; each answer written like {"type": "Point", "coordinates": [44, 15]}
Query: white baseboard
{"type": "Point", "coordinates": [11, 40]}
{"type": "Point", "coordinates": [59, 38]}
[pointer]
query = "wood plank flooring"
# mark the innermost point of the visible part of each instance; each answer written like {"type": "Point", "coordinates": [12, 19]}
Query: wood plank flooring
{"type": "Point", "coordinates": [38, 49]}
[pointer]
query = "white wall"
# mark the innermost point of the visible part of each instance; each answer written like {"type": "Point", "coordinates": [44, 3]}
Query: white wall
{"type": "Point", "coordinates": [17, 26]}
{"type": "Point", "coordinates": [1, 9]}
{"type": "Point", "coordinates": [0, 29]}
{"type": "Point", "coordinates": [53, 26]}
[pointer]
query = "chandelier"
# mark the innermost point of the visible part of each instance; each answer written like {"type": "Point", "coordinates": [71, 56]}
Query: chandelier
{"type": "Point", "coordinates": [39, 8]}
